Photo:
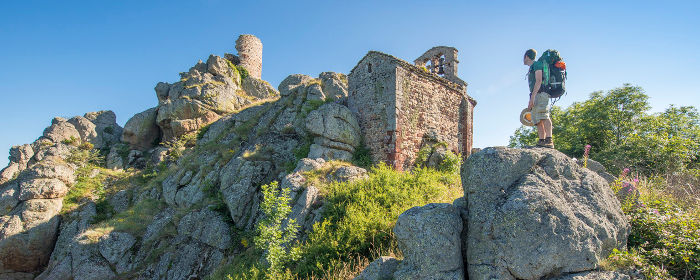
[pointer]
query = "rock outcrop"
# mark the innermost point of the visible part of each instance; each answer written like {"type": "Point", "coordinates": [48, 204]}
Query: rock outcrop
{"type": "Point", "coordinates": [206, 193]}
{"type": "Point", "coordinates": [33, 185]}
{"type": "Point", "coordinates": [535, 213]}
{"type": "Point", "coordinates": [335, 130]}
{"type": "Point", "coordinates": [205, 93]}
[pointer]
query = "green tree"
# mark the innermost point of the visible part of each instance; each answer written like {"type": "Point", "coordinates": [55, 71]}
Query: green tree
{"type": "Point", "coordinates": [274, 237]}
{"type": "Point", "coordinates": [623, 133]}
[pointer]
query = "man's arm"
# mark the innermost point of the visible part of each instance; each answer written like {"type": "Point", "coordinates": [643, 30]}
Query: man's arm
{"type": "Point", "coordinates": [535, 89]}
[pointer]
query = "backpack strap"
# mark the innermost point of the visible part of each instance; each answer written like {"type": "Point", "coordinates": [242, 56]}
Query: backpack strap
{"type": "Point", "coordinates": [545, 73]}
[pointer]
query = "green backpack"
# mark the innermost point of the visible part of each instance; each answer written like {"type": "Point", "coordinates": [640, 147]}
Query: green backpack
{"type": "Point", "coordinates": [553, 73]}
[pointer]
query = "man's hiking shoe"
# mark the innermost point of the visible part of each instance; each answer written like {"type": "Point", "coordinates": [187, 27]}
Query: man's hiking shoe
{"type": "Point", "coordinates": [545, 143]}
{"type": "Point", "coordinates": [549, 143]}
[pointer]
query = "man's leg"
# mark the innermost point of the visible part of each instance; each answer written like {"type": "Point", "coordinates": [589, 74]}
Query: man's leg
{"type": "Point", "coordinates": [541, 129]}
{"type": "Point", "coordinates": [547, 127]}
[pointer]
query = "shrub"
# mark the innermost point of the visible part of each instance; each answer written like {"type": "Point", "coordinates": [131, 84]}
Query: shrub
{"type": "Point", "coordinates": [242, 72]}
{"type": "Point", "coordinates": [665, 233]}
{"type": "Point", "coordinates": [274, 236]}
{"type": "Point", "coordinates": [451, 163]}
{"type": "Point", "coordinates": [303, 149]}
{"type": "Point", "coordinates": [86, 146]}
{"type": "Point", "coordinates": [668, 237]}
{"type": "Point", "coordinates": [73, 141]}
{"type": "Point", "coordinates": [82, 157]}
{"type": "Point", "coordinates": [362, 157]}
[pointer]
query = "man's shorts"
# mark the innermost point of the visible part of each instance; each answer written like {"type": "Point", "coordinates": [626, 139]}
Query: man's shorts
{"type": "Point", "coordinates": [541, 109]}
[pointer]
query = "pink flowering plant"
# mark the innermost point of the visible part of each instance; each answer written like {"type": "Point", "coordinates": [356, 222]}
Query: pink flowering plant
{"type": "Point", "coordinates": [586, 150]}
{"type": "Point", "coordinates": [665, 238]}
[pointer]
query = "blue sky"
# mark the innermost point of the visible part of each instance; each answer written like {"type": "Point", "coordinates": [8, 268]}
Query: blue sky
{"type": "Point", "coordinates": [65, 58]}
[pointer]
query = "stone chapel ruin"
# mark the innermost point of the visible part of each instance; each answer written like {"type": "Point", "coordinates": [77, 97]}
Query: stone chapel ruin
{"type": "Point", "coordinates": [401, 107]}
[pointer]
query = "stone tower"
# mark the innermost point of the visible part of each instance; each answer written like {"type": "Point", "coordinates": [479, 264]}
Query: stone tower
{"type": "Point", "coordinates": [249, 50]}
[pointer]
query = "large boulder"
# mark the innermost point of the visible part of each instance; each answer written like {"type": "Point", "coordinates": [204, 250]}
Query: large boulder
{"type": "Point", "coordinates": [62, 131]}
{"type": "Point", "coordinates": [86, 129]}
{"type": "Point", "coordinates": [28, 233]}
{"type": "Point", "coordinates": [336, 132]}
{"type": "Point", "coordinates": [536, 213]}
{"type": "Point", "coordinates": [21, 154]}
{"type": "Point", "coordinates": [19, 159]}
{"type": "Point", "coordinates": [108, 131]}
{"type": "Point", "coordinates": [334, 85]}
{"type": "Point", "coordinates": [429, 238]}
{"type": "Point", "coordinates": [258, 88]}
{"type": "Point", "coordinates": [141, 131]}
{"type": "Point", "coordinates": [293, 82]}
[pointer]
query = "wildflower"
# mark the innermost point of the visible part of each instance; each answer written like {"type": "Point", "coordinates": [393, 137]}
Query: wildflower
{"type": "Point", "coordinates": [585, 155]}
{"type": "Point", "coordinates": [625, 172]}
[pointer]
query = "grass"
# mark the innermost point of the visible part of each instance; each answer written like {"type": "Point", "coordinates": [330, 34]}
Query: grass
{"type": "Point", "coordinates": [261, 152]}
{"type": "Point", "coordinates": [91, 179]}
{"type": "Point", "coordinates": [134, 220]}
{"type": "Point", "coordinates": [358, 220]}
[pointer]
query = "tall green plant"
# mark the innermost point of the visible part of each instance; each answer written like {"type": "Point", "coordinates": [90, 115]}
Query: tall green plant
{"type": "Point", "coordinates": [273, 236]}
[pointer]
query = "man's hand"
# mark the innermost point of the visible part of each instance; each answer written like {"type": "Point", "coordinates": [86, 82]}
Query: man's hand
{"type": "Point", "coordinates": [531, 104]}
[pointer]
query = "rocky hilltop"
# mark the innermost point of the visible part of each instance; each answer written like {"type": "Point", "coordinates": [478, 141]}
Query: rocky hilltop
{"type": "Point", "coordinates": [173, 194]}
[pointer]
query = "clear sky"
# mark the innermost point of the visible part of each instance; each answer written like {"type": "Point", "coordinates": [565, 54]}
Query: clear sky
{"type": "Point", "coordinates": [65, 58]}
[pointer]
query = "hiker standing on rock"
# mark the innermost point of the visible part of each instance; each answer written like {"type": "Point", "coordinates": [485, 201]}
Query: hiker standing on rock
{"type": "Point", "coordinates": [539, 100]}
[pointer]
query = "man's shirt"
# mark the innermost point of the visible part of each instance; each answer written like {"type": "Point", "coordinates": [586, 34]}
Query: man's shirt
{"type": "Point", "coordinates": [531, 74]}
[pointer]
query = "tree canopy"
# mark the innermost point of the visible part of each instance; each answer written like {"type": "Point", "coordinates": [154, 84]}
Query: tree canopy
{"type": "Point", "coordinates": [623, 133]}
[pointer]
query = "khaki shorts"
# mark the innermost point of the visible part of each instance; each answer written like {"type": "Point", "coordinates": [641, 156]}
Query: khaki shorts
{"type": "Point", "coordinates": [541, 109]}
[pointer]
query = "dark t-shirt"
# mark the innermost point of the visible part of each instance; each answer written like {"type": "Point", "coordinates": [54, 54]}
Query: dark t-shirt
{"type": "Point", "coordinates": [531, 74]}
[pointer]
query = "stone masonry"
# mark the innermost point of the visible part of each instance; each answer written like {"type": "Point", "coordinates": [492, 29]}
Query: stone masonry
{"type": "Point", "coordinates": [402, 107]}
{"type": "Point", "coordinates": [249, 50]}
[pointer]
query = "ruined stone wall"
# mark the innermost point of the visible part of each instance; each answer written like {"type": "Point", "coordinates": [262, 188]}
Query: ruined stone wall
{"type": "Point", "coordinates": [429, 110]}
{"type": "Point", "coordinates": [400, 107]}
{"type": "Point", "coordinates": [249, 50]}
{"type": "Point", "coordinates": [371, 98]}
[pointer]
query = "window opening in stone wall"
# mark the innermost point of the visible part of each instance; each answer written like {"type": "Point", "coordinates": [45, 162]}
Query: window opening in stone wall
{"type": "Point", "coordinates": [369, 67]}
{"type": "Point", "coordinates": [441, 66]}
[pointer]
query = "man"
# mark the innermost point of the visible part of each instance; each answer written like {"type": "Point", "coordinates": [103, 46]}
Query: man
{"type": "Point", "coordinates": [539, 100]}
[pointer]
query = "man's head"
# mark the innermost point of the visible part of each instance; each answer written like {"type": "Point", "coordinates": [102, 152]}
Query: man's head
{"type": "Point", "coordinates": [529, 57]}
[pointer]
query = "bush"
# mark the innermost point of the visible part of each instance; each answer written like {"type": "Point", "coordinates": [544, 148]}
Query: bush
{"type": "Point", "coordinates": [273, 234]}
{"type": "Point", "coordinates": [665, 232]}
{"type": "Point", "coordinates": [668, 237]}
{"type": "Point", "coordinates": [83, 157]}
{"type": "Point", "coordinates": [451, 163]}
{"type": "Point", "coordinates": [73, 141]}
{"type": "Point", "coordinates": [242, 72]}
{"type": "Point", "coordinates": [362, 157]}
{"type": "Point", "coordinates": [359, 216]}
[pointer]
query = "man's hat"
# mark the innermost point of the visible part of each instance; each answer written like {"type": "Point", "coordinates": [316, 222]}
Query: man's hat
{"type": "Point", "coordinates": [526, 117]}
